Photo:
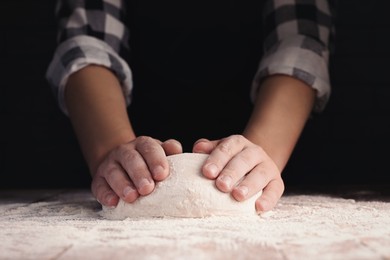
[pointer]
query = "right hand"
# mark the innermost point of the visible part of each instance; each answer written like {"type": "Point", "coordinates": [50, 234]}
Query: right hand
{"type": "Point", "coordinates": [130, 170]}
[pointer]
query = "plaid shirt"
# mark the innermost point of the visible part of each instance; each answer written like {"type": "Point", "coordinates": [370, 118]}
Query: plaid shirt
{"type": "Point", "coordinates": [296, 43]}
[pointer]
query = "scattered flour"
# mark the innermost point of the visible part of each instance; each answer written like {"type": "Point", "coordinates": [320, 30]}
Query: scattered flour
{"type": "Point", "coordinates": [68, 226]}
{"type": "Point", "coordinates": [185, 193]}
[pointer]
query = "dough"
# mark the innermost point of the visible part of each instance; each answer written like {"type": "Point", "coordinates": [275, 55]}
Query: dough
{"type": "Point", "coordinates": [185, 193]}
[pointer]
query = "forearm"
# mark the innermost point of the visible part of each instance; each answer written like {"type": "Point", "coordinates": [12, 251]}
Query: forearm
{"type": "Point", "coordinates": [282, 107]}
{"type": "Point", "coordinates": [97, 110]}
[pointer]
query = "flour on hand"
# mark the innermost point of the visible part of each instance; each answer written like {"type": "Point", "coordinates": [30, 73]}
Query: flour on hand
{"type": "Point", "coordinates": [185, 193]}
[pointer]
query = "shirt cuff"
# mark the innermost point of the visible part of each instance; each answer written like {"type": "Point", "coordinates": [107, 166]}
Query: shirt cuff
{"type": "Point", "coordinates": [79, 52]}
{"type": "Point", "coordinates": [301, 57]}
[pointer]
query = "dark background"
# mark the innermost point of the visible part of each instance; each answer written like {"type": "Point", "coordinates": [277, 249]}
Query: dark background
{"type": "Point", "coordinates": [348, 144]}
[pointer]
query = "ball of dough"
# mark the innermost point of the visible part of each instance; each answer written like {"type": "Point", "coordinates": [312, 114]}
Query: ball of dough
{"type": "Point", "coordinates": [185, 193]}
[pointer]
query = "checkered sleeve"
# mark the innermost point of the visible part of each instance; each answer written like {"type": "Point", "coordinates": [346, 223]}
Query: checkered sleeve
{"type": "Point", "coordinates": [297, 43]}
{"type": "Point", "coordinates": [89, 32]}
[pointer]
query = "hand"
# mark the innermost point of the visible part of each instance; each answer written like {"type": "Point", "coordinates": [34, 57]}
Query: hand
{"type": "Point", "coordinates": [130, 170]}
{"type": "Point", "coordinates": [242, 168]}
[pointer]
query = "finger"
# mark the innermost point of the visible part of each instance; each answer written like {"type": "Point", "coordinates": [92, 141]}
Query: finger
{"type": "Point", "coordinates": [103, 193]}
{"type": "Point", "coordinates": [222, 154]}
{"type": "Point", "coordinates": [120, 183]}
{"type": "Point", "coordinates": [172, 146]}
{"type": "Point", "coordinates": [241, 164]}
{"type": "Point", "coordinates": [204, 146]}
{"type": "Point", "coordinates": [252, 183]}
{"type": "Point", "coordinates": [271, 195]}
{"type": "Point", "coordinates": [154, 157]}
{"type": "Point", "coordinates": [135, 167]}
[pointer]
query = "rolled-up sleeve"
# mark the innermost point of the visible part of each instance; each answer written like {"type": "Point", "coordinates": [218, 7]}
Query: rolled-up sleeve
{"type": "Point", "coordinates": [297, 43]}
{"type": "Point", "coordinates": [90, 32]}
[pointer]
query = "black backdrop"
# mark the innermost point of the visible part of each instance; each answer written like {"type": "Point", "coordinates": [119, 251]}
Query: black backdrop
{"type": "Point", "coordinates": [347, 144]}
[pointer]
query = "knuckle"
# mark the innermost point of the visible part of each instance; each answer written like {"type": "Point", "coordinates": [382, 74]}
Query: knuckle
{"type": "Point", "coordinates": [237, 139]}
{"type": "Point", "coordinates": [146, 144]}
{"type": "Point", "coordinates": [227, 145]}
{"type": "Point", "coordinates": [144, 139]}
{"type": "Point", "coordinates": [111, 171]}
{"type": "Point", "coordinates": [258, 153]}
{"type": "Point", "coordinates": [258, 150]}
{"type": "Point", "coordinates": [128, 155]}
{"type": "Point", "coordinates": [121, 147]}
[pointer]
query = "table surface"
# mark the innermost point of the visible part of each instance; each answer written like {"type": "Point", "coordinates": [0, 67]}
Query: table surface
{"type": "Point", "coordinates": [67, 224]}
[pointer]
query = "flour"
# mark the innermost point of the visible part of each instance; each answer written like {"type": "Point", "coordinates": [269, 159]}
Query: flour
{"type": "Point", "coordinates": [66, 226]}
{"type": "Point", "coordinates": [185, 193]}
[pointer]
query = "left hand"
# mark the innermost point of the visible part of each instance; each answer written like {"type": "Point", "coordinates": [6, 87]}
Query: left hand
{"type": "Point", "coordinates": [242, 168]}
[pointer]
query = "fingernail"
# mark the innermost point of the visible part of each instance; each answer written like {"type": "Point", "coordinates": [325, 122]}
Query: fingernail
{"type": "Point", "coordinates": [173, 141]}
{"type": "Point", "coordinates": [127, 191]}
{"type": "Point", "coordinates": [261, 206]}
{"type": "Point", "coordinates": [158, 172]}
{"type": "Point", "coordinates": [143, 183]}
{"type": "Point", "coordinates": [212, 169]}
{"type": "Point", "coordinates": [109, 197]}
{"type": "Point", "coordinates": [243, 190]}
{"type": "Point", "coordinates": [145, 186]}
{"type": "Point", "coordinates": [227, 180]}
